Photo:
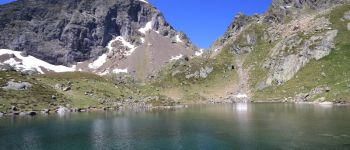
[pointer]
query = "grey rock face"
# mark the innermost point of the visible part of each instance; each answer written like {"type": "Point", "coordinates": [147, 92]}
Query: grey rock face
{"type": "Point", "coordinates": [239, 50]}
{"type": "Point", "coordinates": [280, 9]}
{"type": "Point", "coordinates": [304, 97]}
{"type": "Point", "coordinates": [204, 72]}
{"type": "Point", "coordinates": [282, 68]}
{"type": "Point", "coordinates": [349, 26]}
{"type": "Point", "coordinates": [240, 22]}
{"type": "Point", "coordinates": [67, 31]}
{"type": "Point", "coordinates": [14, 108]}
{"type": "Point", "coordinates": [347, 15]}
{"type": "Point", "coordinates": [11, 85]}
{"type": "Point", "coordinates": [6, 67]}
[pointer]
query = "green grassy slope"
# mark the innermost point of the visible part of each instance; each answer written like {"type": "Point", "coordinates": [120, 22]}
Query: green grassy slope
{"type": "Point", "coordinates": [220, 81]}
{"type": "Point", "coordinates": [38, 97]}
{"type": "Point", "coordinates": [87, 90]}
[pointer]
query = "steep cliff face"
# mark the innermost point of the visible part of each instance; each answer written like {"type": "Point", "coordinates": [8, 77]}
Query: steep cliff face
{"type": "Point", "coordinates": [64, 32]}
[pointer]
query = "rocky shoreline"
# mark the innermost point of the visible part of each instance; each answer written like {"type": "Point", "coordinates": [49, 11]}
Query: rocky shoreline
{"type": "Point", "coordinates": [279, 101]}
{"type": "Point", "coordinates": [61, 110]}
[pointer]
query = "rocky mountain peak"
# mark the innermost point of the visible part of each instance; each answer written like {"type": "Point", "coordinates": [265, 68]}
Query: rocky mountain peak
{"type": "Point", "coordinates": [239, 22]}
{"type": "Point", "coordinates": [66, 31]}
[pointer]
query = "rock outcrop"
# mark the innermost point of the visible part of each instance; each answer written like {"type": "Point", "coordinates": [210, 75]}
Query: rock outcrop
{"type": "Point", "coordinates": [64, 32]}
{"type": "Point", "coordinates": [280, 42]}
{"type": "Point", "coordinates": [11, 85]}
{"type": "Point", "coordinates": [280, 10]}
{"type": "Point", "coordinates": [284, 65]}
{"type": "Point", "coordinates": [240, 23]}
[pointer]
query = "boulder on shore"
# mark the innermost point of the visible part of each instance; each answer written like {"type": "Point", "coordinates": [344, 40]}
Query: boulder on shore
{"type": "Point", "coordinates": [31, 113]}
{"type": "Point", "coordinates": [45, 111]}
{"type": "Point", "coordinates": [63, 110]}
{"type": "Point", "coordinates": [22, 113]}
{"type": "Point", "coordinates": [14, 108]}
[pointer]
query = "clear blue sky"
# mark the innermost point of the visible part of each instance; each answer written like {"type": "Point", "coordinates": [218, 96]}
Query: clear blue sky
{"type": "Point", "coordinates": [204, 20]}
{"type": "Point", "coordinates": [5, 1]}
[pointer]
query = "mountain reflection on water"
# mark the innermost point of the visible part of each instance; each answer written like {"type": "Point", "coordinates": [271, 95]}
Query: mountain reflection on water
{"type": "Point", "coordinates": [231, 126]}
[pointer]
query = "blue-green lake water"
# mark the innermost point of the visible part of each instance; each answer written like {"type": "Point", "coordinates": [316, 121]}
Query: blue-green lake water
{"type": "Point", "coordinates": [211, 127]}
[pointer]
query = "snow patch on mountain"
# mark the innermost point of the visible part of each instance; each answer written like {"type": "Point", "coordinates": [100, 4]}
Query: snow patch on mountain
{"type": "Point", "coordinates": [178, 39]}
{"type": "Point", "coordinates": [176, 57]}
{"type": "Point", "coordinates": [117, 71]}
{"type": "Point", "coordinates": [98, 62]}
{"type": "Point", "coordinates": [122, 40]}
{"type": "Point", "coordinates": [103, 58]}
{"type": "Point", "coordinates": [27, 63]}
{"type": "Point", "coordinates": [125, 43]}
{"type": "Point", "coordinates": [147, 27]}
{"type": "Point", "coordinates": [199, 53]}
{"type": "Point", "coordinates": [145, 1]}
{"type": "Point", "coordinates": [128, 53]}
